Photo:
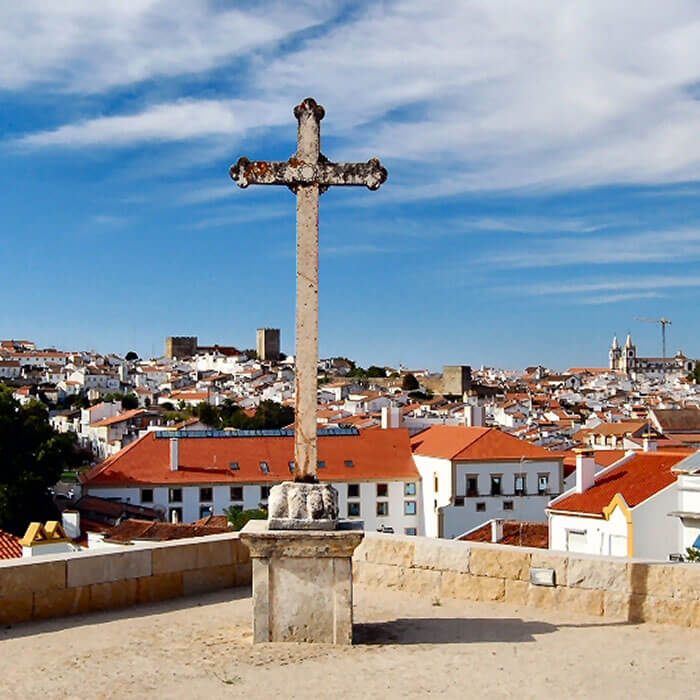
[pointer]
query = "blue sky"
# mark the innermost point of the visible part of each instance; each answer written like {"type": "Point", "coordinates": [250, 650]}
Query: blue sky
{"type": "Point", "coordinates": [543, 192]}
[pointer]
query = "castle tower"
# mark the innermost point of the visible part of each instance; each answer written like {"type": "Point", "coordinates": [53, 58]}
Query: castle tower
{"type": "Point", "coordinates": [615, 354]}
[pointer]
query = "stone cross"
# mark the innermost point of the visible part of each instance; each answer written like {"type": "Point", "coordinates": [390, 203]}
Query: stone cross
{"type": "Point", "coordinates": [308, 173]}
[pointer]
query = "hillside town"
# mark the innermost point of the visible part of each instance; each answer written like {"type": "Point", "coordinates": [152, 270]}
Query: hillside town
{"type": "Point", "coordinates": [590, 459]}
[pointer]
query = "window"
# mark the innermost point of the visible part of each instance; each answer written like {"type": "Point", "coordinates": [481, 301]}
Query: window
{"type": "Point", "coordinates": [175, 495]}
{"type": "Point", "coordinates": [436, 484]}
{"type": "Point", "coordinates": [409, 507]}
{"type": "Point", "coordinates": [321, 464]}
{"type": "Point", "coordinates": [410, 531]}
{"type": "Point", "coordinates": [472, 485]}
{"type": "Point", "coordinates": [480, 507]}
{"type": "Point", "coordinates": [382, 508]}
{"type": "Point", "coordinates": [496, 484]}
{"type": "Point", "coordinates": [233, 466]}
{"type": "Point", "coordinates": [353, 490]}
{"type": "Point", "coordinates": [206, 494]}
{"type": "Point", "coordinates": [236, 493]}
{"type": "Point", "coordinates": [519, 484]}
{"type": "Point", "coordinates": [264, 492]}
{"type": "Point", "coordinates": [205, 511]}
{"type": "Point", "coordinates": [146, 495]}
{"type": "Point", "coordinates": [353, 510]}
{"type": "Point", "coordinates": [264, 467]}
{"type": "Point", "coordinates": [348, 463]}
{"type": "Point", "coordinates": [459, 500]}
{"type": "Point", "coordinates": [543, 484]}
{"type": "Point", "coordinates": [409, 488]}
{"type": "Point", "coordinates": [382, 490]}
{"type": "Point", "coordinates": [507, 505]}
{"type": "Point", "coordinates": [175, 515]}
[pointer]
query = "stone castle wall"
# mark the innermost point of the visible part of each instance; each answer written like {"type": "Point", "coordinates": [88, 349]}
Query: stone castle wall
{"type": "Point", "coordinates": [69, 584]}
{"type": "Point", "coordinates": [619, 589]}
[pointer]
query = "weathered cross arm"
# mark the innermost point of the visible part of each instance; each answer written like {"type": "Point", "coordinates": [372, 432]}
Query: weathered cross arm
{"type": "Point", "coordinates": [295, 173]}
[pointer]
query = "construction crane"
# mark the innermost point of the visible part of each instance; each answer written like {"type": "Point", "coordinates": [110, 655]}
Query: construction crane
{"type": "Point", "coordinates": [663, 322]}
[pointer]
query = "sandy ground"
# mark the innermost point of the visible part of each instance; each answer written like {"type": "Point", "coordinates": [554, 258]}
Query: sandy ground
{"type": "Point", "coordinates": [406, 647]}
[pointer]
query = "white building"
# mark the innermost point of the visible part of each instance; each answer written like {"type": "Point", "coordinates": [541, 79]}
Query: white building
{"type": "Point", "coordinates": [688, 509]}
{"type": "Point", "coordinates": [623, 510]}
{"type": "Point", "coordinates": [471, 475]}
{"type": "Point", "coordinates": [202, 472]}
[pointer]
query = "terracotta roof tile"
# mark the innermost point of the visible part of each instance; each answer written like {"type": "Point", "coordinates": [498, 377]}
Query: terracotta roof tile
{"type": "Point", "coordinates": [10, 548]}
{"type": "Point", "coordinates": [638, 478]}
{"type": "Point", "coordinates": [375, 454]}
{"type": "Point", "coordinates": [515, 532]}
{"type": "Point", "coordinates": [475, 444]}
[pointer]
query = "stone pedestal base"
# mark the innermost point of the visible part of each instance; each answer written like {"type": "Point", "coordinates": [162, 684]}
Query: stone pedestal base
{"type": "Point", "coordinates": [302, 583]}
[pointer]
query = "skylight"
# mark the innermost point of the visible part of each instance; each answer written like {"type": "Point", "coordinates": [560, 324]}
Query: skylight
{"type": "Point", "coordinates": [349, 463]}
{"type": "Point", "coordinates": [264, 467]}
{"type": "Point", "coordinates": [234, 466]}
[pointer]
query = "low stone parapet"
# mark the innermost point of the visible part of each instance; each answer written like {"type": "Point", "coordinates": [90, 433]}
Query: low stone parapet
{"type": "Point", "coordinates": [620, 589]}
{"type": "Point", "coordinates": [68, 584]}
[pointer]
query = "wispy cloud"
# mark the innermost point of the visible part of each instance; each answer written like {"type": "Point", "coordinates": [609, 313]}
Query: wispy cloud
{"type": "Point", "coordinates": [615, 298]}
{"type": "Point", "coordinates": [642, 247]}
{"type": "Point", "coordinates": [87, 46]}
{"type": "Point", "coordinates": [612, 286]}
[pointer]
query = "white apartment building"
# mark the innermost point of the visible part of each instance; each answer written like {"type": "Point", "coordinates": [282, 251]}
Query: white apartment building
{"type": "Point", "coordinates": [199, 473]}
{"type": "Point", "coordinates": [471, 475]}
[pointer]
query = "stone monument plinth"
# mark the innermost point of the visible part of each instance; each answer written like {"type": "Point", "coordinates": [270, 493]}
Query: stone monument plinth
{"type": "Point", "coordinates": [302, 583]}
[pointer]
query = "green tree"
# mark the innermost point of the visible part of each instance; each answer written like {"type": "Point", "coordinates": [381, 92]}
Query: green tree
{"type": "Point", "coordinates": [239, 517]}
{"type": "Point", "coordinates": [695, 374]}
{"type": "Point", "coordinates": [409, 382]}
{"type": "Point", "coordinates": [374, 371]}
{"type": "Point", "coordinates": [131, 356]}
{"type": "Point", "coordinates": [208, 414]}
{"type": "Point", "coordinates": [32, 458]}
{"type": "Point", "coordinates": [130, 401]}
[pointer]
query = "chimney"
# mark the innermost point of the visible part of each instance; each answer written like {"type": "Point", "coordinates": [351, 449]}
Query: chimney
{"type": "Point", "coordinates": [496, 530]}
{"type": "Point", "coordinates": [174, 518]}
{"type": "Point", "coordinates": [71, 523]}
{"type": "Point", "coordinates": [174, 454]}
{"type": "Point", "coordinates": [391, 417]}
{"type": "Point", "coordinates": [649, 443]}
{"type": "Point", "coordinates": [585, 470]}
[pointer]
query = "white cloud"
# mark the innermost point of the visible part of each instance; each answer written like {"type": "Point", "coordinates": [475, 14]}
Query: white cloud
{"type": "Point", "coordinates": [174, 121]}
{"type": "Point", "coordinates": [88, 46]}
{"type": "Point", "coordinates": [679, 245]}
{"type": "Point", "coordinates": [638, 283]}
{"type": "Point", "coordinates": [616, 298]}
{"type": "Point", "coordinates": [455, 97]}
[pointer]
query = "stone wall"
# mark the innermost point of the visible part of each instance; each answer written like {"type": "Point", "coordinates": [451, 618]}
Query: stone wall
{"type": "Point", "coordinates": [69, 584]}
{"type": "Point", "coordinates": [620, 589]}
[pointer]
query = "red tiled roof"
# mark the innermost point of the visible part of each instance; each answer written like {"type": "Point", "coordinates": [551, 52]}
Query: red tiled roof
{"type": "Point", "coordinates": [638, 478]}
{"type": "Point", "coordinates": [375, 454]}
{"type": "Point", "coordinates": [10, 548]}
{"type": "Point", "coordinates": [134, 529]}
{"type": "Point", "coordinates": [119, 418]}
{"type": "Point", "coordinates": [515, 532]}
{"type": "Point", "coordinates": [475, 444]}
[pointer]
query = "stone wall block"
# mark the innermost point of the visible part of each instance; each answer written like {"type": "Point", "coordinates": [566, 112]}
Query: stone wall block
{"type": "Point", "coordinates": [60, 603]}
{"type": "Point", "coordinates": [617, 606]}
{"type": "Point", "coordinates": [114, 594]}
{"type": "Point", "coordinates": [107, 566]}
{"type": "Point", "coordinates": [442, 555]}
{"type": "Point", "coordinates": [469, 587]}
{"type": "Point", "coordinates": [243, 574]}
{"type": "Point", "coordinates": [377, 575]}
{"type": "Point", "coordinates": [500, 563]}
{"type": "Point", "coordinates": [516, 592]}
{"type": "Point", "coordinates": [16, 608]}
{"type": "Point", "coordinates": [605, 574]}
{"type": "Point", "coordinates": [32, 576]}
{"type": "Point", "coordinates": [217, 553]}
{"type": "Point", "coordinates": [211, 578]}
{"type": "Point", "coordinates": [161, 587]}
{"type": "Point", "coordinates": [545, 597]}
{"type": "Point", "coordinates": [240, 554]}
{"type": "Point", "coordinates": [420, 581]}
{"type": "Point", "coordinates": [172, 558]}
{"type": "Point", "coordinates": [581, 600]}
{"type": "Point", "coordinates": [387, 550]}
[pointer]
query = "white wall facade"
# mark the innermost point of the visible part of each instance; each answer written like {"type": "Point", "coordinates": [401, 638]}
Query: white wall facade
{"type": "Point", "coordinates": [399, 502]}
{"type": "Point", "coordinates": [656, 533]}
{"type": "Point", "coordinates": [589, 535]}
